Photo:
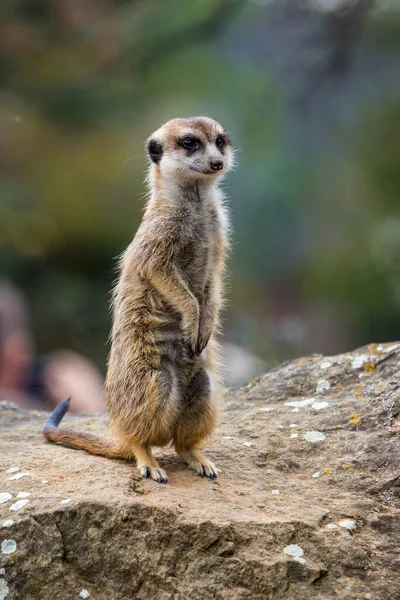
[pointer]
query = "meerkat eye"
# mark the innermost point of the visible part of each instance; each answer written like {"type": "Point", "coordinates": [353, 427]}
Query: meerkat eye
{"type": "Point", "coordinates": [190, 143]}
{"type": "Point", "coordinates": [220, 141]}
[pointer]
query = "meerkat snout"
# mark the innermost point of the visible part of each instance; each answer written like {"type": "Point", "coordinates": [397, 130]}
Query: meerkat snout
{"type": "Point", "coordinates": [216, 165]}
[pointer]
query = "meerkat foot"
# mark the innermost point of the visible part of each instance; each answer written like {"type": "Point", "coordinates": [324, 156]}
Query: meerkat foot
{"type": "Point", "coordinates": [204, 468]}
{"type": "Point", "coordinates": [156, 473]}
{"type": "Point", "coordinates": [199, 463]}
{"type": "Point", "coordinates": [148, 466]}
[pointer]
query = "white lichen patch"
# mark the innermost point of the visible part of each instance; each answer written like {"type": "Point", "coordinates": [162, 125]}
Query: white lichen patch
{"type": "Point", "coordinates": [2, 571]}
{"type": "Point", "coordinates": [300, 403]}
{"type": "Point", "coordinates": [84, 594]}
{"type": "Point", "coordinates": [66, 501]}
{"type": "Point", "coordinates": [266, 409]}
{"type": "Point", "coordinates": [296, 552]}
{"type": "Point", "coordinates": [8, 523]}
{"type": "Point", "coordinates": [358, 361]}
{"type": "Point", "coordinates": [316, 474]}
{"type": "Point", "coordinates": [23, 494]}
{"type": "Point", "coordinates": [4, 589]}
{"type": "Point", "coordinates": [8, 546]}
{"type": "Point", "coordinates": [392, 348]}
{"type": "Point", "coordinates": [19, 504]}
{"type": "Point", "coordinates": [314, 436]}
{"type": "Point", "coordinates": [275, 492]}
{"type": "Point", "coordinates": [348, 524]}
{"type": "Point", "coordinates": [325, 365]}
{"type": "Point", "coordinates": [295, 410]}
{"type": "Point", "coordinates": [322, 386]}
{"type": "Point", "coordinates": [293, 425]}
{"type": "Point", "coordinates": [294, 435]}
{"type": "Point", "coordinates": [18, 476]}
{"type": "Point", "coordinates": [12, 470]}
{"type": "Point", "coordinates": [248, 444]}
{"type": "Point", "coordinates": [319, 405]}
{"type": "Point", "coordinates": [226, 437]}
{"type": "Point", "coordinates": [5, 497]}
{"type": "Point", "coordinates": [331, 526]}
{"type": "Point", "coordinates": [44, 481]}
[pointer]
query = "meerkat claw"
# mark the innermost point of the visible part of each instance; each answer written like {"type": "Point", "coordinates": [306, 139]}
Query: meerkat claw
{"type": "Point", "coordinates": [145, 472]}
{"type": "Point", "coordinates": [159, 475]}
{"type": "Point", "coordinates": [210, 473]}
{"type": "Point", "coordinates": [201, 345]}
{"type": "Point", "coordinates": [155, 473]}
{"type": "Point", "coordinates": [206, 469]}
{"type": "Point", "coordinates": [210, 470]}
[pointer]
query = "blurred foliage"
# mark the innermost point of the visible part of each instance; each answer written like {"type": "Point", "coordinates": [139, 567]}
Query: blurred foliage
{"type": "Point", "coordinates": [315, 115]}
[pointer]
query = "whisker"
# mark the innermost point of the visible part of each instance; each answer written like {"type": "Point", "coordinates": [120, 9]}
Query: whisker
{"type": "Point", "coordinates": [131, 158]}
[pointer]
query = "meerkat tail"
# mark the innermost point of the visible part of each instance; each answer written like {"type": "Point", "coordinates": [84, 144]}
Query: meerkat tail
{"type": "Point", "coordinates": [74, 439]}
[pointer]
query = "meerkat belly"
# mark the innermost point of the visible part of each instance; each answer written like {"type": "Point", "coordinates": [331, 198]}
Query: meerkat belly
{"type": "Point", "coordinates": [167, 336]}
{"type": "Point", "coordinates": [196, 273]}
{"type": "Point", "coordinates": [196, 260]}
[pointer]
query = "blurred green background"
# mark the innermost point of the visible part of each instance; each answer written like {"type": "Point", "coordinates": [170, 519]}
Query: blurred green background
{"type": "Point", "coordinates": [310, 92]}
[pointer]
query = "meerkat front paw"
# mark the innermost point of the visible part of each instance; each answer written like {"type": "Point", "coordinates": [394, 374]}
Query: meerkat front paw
{"type": "Point", "coordinates": [190, 328]}
{"type": "Point", "coordinates": [155, 473]}
{"type": "Point", "coordinates": [191, 346]}
{"type": "Point", "coordinates": [202, 342]}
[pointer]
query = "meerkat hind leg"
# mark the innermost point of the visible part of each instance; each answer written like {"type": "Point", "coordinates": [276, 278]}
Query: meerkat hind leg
{"type": "Point", "coordinates": [196, 423]}
{"type": "Point", "coordinates": [147, 464]}
{"type": "Point", "coordinates": [162, 389]}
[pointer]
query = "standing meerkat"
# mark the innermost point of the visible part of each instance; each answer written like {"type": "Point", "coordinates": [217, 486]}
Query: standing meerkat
{"type": "Point", "coordinates": [163, 381]}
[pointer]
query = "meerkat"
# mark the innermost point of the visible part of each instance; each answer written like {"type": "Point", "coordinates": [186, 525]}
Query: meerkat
{"type": "Point", "coordinates": [163, 382]}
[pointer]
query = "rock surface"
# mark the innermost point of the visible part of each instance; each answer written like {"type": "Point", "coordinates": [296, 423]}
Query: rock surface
{"type": "Point", "coordinates": [307, 504]}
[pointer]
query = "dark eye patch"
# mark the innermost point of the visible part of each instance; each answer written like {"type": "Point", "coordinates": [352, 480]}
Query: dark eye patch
{"type": "Point", "coordinates": [190, 143]}
{"type": "Point", "coordinates": [220, 141]}
{"type": "Point", "coordinates": [155, 150]}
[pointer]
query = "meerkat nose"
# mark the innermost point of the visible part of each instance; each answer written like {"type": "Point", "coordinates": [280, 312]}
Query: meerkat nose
{"type": "Point", "coordinates": [216, 165]}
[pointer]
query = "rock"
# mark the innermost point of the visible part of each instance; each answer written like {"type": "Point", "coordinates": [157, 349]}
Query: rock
{"type": "Point", "coordinates": [93, 524]}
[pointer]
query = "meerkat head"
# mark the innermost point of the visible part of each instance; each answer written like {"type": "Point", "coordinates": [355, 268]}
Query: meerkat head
{"type": "Point", "coordinates": [191, 149]}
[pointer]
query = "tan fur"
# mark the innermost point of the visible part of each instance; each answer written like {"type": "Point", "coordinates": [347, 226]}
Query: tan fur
{"type": "Point", "coordinates": [163, 382]}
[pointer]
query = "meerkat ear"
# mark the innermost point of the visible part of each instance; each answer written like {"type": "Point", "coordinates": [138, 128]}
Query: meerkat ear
{"type": "Point", "coordinates": [155, 150]}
